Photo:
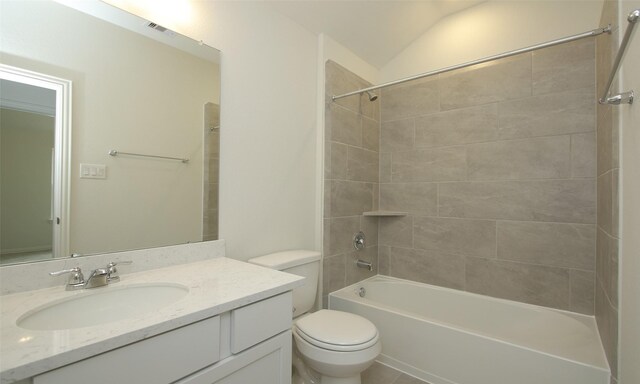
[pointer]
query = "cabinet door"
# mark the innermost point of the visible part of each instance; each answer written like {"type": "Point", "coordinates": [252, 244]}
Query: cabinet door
{"type": "Point", "coordinates": [266, 363]}
{"type": "Point", "coordinates": [159, 359]}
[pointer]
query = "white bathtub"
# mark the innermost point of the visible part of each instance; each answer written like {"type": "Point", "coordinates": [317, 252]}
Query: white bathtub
{"type": "Point", "coordinates": [445, 336]}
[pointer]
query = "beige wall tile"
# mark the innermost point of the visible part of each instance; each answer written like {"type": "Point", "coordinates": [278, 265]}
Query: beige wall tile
{"type": "Point", "coordinates": [551, 114]}
{"type": "Point", "coordinates": [615, 141]}
{"type": "Point", "coordinates": [570, 201]}
{"type": "Point", "coordinates": [455, 236]}
{"type": "Point", "coordinates": [503, 79]}
{"type": "Point", "coordinates": [460, 126]}
{"type": "Point", "coordinates": [334, 275]}
{"type": "Point", "coordinates": [396, 231]}
{"type": "Point", "coordinates": [397, 135]}
{"type": "Point", "coordinates": [615, 202]}
{"type": "Point", "coordinates": [608, 160]}
{"type": "Point", "coordinates": [438, 164]}
{"type": "Point", "coordinates": [417, 198]}
{"type": "Point", "coordinates": [607, 320]}
{"type": "Point", "coordinates": [603, 257]}
{"type": "Point", "coordinates": [369, 226]}
{"type": "Point", "coordinates": [553, 244]}
{"type": "Point", "coordinates": [538, 158]}
{"type": "Point", "coordinates": [606, 44]}
{"type": "Point", "coordinates": [533, 284]}
{"type": "Point", "coordinates": [327, 198]}
{"type": "Point", "coordinates": [349, 198]}
{"type": "Point", "coordinates": [362, 165]}
{"type": "Point", "coordinates": [583, 155]}
{"type": "Point", "coordinates": [383, 259]}
{"type": "Point", "coordinates": [370, 134]}
{"type": "Point", "coordinates": [342, 230]}
{"type": "Point", "coordinates": [605, 202]}
{"type": "Point", "coordinates": [613, 271]}
{"type": "Point", "coordinates": [604, 134]}
{"type": "Point", "coordinates": [428, 267]}
{"type": "Point", "coordinates": [415, 98]}
{"type": "Point", "coordinates": [582, 291]}
{"type": "Point", "coordinates": [213, 196]}
{"type": "Point", "coordinates": [563, 67]}
{"type": "Point", "coordinates": [327, 160]}
{"type": "Point", "coordinates": [376, 197]}
{"type": "Point", "coordinates": [327, 121]}
{"type": "Point", "coordinates": [385, 167]}
{"type": "Point", "coordinates": [338, 161]}
{"type": "Point", "coordinates": [345, 126]}
{"type": "Point", "coordinates": [339, 80]}
{"type": "Point", "coordinates": [326, 237]}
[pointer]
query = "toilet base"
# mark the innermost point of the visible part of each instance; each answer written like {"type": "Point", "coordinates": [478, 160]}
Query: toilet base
{"type": "Point", "coordinates": [340, 380]}
{"type": "Point", "coordinates": [297, 379]}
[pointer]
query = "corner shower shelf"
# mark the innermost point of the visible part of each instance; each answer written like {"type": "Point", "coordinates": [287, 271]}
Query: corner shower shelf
{"type": "Point", "coordinates": [384, 213]}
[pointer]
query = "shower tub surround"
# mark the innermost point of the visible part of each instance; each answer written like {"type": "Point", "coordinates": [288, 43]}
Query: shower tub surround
{"type": "Point", "coordinates": [495, 166]}
{"type": "Point", "coordinates": [446, 336]}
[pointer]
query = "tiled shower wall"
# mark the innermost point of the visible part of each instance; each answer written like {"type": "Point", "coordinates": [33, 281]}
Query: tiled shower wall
{"type": "Point", "coordinates": [495, 165]}
{"type": "Point", "coordinates": [608, 177]}
{"type": "Point", "coordinates": [352, 131]}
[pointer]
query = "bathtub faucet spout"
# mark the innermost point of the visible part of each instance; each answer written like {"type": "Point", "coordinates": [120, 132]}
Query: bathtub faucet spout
{"type": "Point", "coordinates": [364, 264]}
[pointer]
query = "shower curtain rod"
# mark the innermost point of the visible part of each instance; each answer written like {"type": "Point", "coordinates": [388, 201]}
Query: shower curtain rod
{"type": "Point", "coordinates": [567, 39]}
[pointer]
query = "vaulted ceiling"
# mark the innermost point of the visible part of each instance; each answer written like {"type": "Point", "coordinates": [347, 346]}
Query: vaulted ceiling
{"type": "Point", "coordinates": [374, 30]}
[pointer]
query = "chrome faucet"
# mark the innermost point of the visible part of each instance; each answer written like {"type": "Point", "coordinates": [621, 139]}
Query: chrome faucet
{"type": "Point", "coordinates": [76, 278]}
{"type": "Point", "coordinates": [98, 278]}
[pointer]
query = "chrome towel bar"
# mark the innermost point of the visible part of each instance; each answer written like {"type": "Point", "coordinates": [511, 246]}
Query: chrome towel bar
{"type": "Point", "coordinates": [114, 152]}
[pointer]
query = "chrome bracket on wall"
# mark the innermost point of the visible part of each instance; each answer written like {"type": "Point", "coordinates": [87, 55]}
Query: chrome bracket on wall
{"type": "Point", "coordinates": [625, 97]}
{"type": "Point", "coordinates": [621, 98]}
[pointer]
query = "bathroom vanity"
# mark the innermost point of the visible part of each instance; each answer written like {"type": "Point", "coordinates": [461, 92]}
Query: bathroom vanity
{"type": "Point", "coordinates": [232, 326]}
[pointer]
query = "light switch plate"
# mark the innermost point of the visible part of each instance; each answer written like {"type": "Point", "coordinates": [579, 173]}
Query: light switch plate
{"type": "Point", "coordinates": [93, 171]}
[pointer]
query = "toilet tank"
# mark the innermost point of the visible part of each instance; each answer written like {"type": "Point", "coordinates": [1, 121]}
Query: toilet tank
{"type": "Point", "coordinates": [298, 262]}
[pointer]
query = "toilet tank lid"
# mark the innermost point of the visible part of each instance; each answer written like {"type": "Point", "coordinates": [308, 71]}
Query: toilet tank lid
{"type": "Point", "coordinates": [286, 259]}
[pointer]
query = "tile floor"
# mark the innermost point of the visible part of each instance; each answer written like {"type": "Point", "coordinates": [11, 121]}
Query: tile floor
{"type": "Point", "coordinates": [381, 374]}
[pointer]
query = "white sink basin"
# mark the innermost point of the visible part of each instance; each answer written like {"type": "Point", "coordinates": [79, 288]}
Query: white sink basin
{"type": "Point", "coordinates": [101, 305]}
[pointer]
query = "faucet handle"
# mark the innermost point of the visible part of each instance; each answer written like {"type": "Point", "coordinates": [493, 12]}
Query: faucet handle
{"type": "Point", "coordinates": [76, 278]}
{"type": "Point", "coordinates": [113, 272]}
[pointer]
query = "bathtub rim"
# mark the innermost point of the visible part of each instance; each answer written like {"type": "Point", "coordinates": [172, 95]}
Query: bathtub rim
{"type": "Point", "coordinates": [351, 290]}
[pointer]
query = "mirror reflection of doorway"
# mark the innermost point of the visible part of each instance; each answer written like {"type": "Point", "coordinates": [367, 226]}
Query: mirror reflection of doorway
{"type": "Point", "coordinates": [33, 134]}
{"type": "Point", "coordinates": [27, 139]}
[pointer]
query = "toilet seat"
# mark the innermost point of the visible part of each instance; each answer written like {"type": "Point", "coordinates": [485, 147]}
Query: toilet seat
{"type": "Point", "coordinates": [337, 331]}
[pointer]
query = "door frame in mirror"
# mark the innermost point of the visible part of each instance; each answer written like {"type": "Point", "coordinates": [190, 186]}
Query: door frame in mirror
{"type": "Point", "coordinates": [62, 152]}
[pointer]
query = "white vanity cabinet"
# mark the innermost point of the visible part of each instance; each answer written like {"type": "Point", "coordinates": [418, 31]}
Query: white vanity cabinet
{"type": "Point", "coordinates": [249, 344]}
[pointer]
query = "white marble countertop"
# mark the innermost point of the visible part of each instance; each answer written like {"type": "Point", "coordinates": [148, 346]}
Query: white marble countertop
{"type": "Point", "coordinates": [215, 286]}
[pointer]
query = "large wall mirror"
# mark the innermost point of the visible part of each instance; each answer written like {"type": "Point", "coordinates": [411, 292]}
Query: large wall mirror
{"type": "Point", "coordinates": [138, 167]}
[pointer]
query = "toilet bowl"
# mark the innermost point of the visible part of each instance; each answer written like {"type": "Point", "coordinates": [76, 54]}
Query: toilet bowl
{"type": "Point", "coordinates": [330, 347]}
{"type": "Point", "coordinates": [337, 345]}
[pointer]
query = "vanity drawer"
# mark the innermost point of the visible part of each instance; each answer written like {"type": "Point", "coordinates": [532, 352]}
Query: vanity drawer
{"type": "Point", "coordinates": [160, 359]}
{"type": "Point", "coordinates": [259, 321]}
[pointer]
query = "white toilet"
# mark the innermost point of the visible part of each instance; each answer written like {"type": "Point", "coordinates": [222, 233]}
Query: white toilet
{"type": "Point", "coordinates": [333, 346]}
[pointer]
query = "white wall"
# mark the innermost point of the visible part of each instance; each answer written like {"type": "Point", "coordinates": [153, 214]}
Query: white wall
{"type": "Point", "coordinates": [629, 317]}
{"type": "Point", "coordinates": [491, 28]}
{"type": "Point", "coordinates": [332, 50]}
{"type": "Point", "coordinates": [268, 123]}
